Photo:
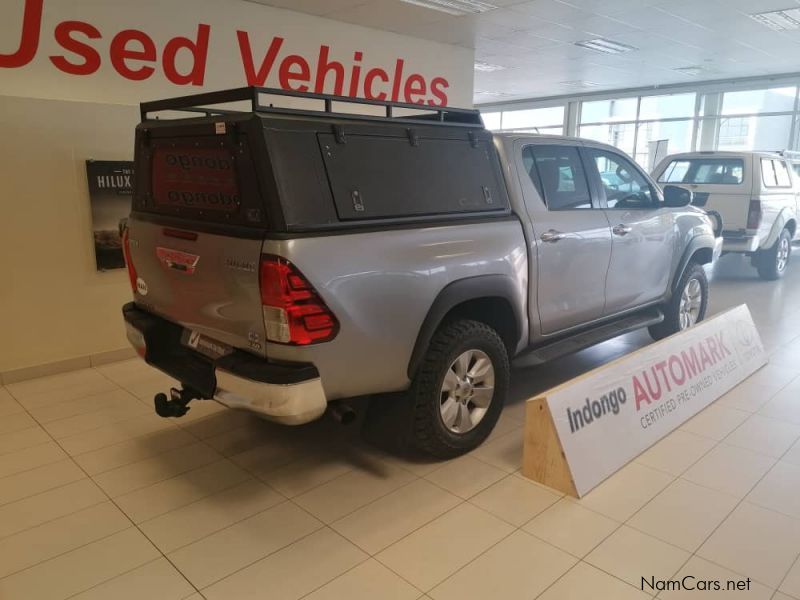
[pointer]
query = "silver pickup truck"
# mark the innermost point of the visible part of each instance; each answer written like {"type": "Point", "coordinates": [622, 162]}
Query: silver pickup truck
{"type": "Point", "coordinates": [284, 260]}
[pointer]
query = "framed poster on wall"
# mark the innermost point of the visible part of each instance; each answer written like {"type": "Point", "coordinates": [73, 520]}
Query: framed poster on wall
{"type": "Point", "coordinates": [110, 190]}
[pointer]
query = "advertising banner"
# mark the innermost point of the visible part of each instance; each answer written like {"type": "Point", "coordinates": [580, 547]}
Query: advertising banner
{"type": "Point", "coordinates": [606, 418]}
{"type": "Point", "coordinates": [110, 189]}
{"type": "Point", "coordinates": [121, 52]}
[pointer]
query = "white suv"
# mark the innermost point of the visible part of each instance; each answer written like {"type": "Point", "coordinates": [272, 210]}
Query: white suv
{"type": "Point", "coordinates": [754, 193]}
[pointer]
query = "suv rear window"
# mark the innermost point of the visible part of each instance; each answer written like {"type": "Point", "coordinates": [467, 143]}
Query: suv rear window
{"type": "Point", "coordinates": [711, 171]}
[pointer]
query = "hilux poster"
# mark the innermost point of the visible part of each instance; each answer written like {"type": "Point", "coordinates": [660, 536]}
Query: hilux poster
{"type": "Point", "coordinates": [110, 189]}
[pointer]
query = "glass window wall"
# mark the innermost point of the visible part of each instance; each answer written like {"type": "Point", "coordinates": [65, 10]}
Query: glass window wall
{"type": "Point", "coordinates": [649, 127]}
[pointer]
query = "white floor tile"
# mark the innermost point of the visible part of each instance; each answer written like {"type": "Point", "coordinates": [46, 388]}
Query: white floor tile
{"type": "Point", "coordinates": [755, 542]}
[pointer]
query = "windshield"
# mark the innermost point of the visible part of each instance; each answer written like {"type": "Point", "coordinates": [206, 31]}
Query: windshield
{"type": "Point", "coordinates": [716, 171]}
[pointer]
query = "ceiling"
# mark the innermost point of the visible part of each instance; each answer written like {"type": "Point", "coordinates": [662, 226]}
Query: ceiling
{"type": "Point", "coordinates": [534, 40]}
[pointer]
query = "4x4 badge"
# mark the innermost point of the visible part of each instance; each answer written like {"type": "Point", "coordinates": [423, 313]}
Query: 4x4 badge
{"type": "Point", "coordinates": [178, 260]}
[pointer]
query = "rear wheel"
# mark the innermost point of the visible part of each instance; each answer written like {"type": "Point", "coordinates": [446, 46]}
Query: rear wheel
{"type": "Point", "coordinates": [459, 391]}
{"type": "Point", "coordinates": [687, 305]}
{"type": "Point", "coordinates": [772, 262]}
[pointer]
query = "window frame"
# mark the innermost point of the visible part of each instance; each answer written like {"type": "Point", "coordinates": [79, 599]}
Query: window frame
{"type": "Point", "coordinates": [539, 187]}
{"type": "Point", "coordinates": [655, 191]}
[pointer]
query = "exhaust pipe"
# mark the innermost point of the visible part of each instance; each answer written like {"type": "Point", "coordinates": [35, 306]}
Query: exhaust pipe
{"type": "Point", "coordinates": [342, 412]}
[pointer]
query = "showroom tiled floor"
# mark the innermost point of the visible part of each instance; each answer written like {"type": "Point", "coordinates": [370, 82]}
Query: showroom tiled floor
{"type": "Point", "coordinates": [100, 498]}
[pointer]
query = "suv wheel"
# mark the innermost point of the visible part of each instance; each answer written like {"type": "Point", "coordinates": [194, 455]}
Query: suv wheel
{"type": "Point", "coordinates": [772, 262]}
{"type": "Point", "coordinates": [687, 305]}
{"type": "Point", "coordinates": [459, 391]}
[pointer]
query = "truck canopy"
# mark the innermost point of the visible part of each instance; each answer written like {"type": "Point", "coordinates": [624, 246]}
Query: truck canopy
{"type": "Point", "coordinates": [270, 169]}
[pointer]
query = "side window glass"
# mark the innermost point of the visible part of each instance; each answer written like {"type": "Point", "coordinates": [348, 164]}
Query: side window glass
{"type": "Point", "coordinates": [624, 185]}
{"type": "Point", "coordinates": [768, 173]}
{"type": "Point", "coordinates": [782, 174]}
{"type": "Point", "coordinates": [557, 173]}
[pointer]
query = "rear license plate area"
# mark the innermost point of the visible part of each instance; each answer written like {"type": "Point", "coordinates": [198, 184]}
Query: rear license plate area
{"type": "Point", "coordinates": [205, 345]}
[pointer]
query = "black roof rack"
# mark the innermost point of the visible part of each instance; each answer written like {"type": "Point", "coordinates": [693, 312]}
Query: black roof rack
{"type": "Point", "coordinates": [197, 103]}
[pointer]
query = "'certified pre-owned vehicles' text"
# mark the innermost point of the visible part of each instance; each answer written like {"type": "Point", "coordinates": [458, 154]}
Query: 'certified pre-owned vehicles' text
{"type": "Point", "coordinates": [284, 260]}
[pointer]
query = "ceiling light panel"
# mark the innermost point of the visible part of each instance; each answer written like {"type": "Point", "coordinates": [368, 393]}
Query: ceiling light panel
{"type": "Point", "coordinates": [492, 93]}
{"type": "Point", "coordinates": [454, 7]}
{"type": "Point", "coordinates": [694, 71]}
{"type": "Point", "coordinates": [578, 83]}
{"type": "Point", "coordinates": [606, 46]}
{"type": "Point", "coordinates": [779, 20]}
{"type": "Point", "coordinates": [486, 67]}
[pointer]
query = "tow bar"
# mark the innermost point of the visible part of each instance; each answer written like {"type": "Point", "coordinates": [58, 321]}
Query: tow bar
{"type": "Point", "coordinates": [177, 404]}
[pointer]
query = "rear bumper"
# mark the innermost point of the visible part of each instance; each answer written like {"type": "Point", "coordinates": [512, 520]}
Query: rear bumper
{"type": "Point", "coordinates": [289, 393]}
{"type": "Point", "coordinates": [740, 242]}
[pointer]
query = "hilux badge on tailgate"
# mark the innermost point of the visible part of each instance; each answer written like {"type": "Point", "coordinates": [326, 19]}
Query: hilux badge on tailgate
{"type": "Point", "coordinates": [175, 259]}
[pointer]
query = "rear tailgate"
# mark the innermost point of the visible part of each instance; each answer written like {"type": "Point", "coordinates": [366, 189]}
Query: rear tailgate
{"type": "Point", "coordinates": [208, 285]}
{"type": "Point", "coordinates": [196, 232]}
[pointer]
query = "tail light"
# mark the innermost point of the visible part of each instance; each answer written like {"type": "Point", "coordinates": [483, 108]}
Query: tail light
{"type": "Point", "coordinates": [126, 251]}
{"type": "Point", "coordinates": [293, 311]}
{"type": "Point", "coordinates": [754, 214]}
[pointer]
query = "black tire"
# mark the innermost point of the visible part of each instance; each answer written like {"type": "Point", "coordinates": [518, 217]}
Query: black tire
{"type": "Point", "coordinates": [426, 430]}
{"type": "Point", "coordinates": [672, 310]}
{"type": "Point", "coordinates": [770, 263]}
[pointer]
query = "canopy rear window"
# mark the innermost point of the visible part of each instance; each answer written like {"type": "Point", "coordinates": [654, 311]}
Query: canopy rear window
{"type": "Point", "coordinates": [203, 178]}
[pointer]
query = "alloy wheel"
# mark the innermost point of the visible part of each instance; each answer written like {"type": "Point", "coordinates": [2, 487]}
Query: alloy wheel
{"type": "Point", "coordinates": [782, 258]}
{"type": "Point", "coordinates": [467, 391]}
{"type": "Point", "coordinates": [691, 302]}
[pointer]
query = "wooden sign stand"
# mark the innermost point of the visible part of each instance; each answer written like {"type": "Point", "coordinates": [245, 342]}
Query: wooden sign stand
{"type": "Point", "coordinates": [543, 458]}
{"type": "Point", "coordinates": [581, 432]}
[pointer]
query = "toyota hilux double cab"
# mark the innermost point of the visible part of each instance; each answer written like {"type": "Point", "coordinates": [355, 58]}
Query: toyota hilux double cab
{"type": "Point", "coordinates": [756, 195]}
{"type": "Point", "coordinates": [284, 260]}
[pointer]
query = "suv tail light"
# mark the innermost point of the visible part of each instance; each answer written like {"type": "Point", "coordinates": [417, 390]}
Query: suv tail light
{"type": "Point", "coordinates": [754, 214]}
{"type": "Point", "coordinates": [126, 251]}
{"type": "Point", "coordinates": [293, 311]}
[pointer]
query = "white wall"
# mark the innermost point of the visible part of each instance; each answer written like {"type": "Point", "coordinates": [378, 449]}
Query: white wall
{"type": "Point", "coordinates": [54, 305]}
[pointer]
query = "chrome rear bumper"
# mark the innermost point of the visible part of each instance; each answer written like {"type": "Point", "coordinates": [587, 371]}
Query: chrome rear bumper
{"type": "Point", "coordinates": [289, 404]}
{"type": "Point", "coordinates": [289, 393]}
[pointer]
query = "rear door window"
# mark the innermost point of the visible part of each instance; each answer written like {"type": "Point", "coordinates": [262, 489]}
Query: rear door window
{"type": "Point", "coordinates": [558, 174]}
{"type": "Point", "coordinates": [709, 171]}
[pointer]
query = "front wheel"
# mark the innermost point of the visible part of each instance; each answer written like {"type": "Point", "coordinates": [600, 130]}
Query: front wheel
{"type": "Point", "coordinates": [772, 262]}
{"type": "Point", "coordinates": [459, 391]}
{"type": "Point", "coordinates": [687, 305]}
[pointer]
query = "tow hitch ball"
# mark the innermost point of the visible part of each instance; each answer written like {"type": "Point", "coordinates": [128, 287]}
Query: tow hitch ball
{"type": "Point", "coordinates": [177, 404]}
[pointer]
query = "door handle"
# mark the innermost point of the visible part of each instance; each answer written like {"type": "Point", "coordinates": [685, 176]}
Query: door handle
{"type": "Point", "coordinates": [621, 229]}
{"type": "Point", "coordinates": [551, 236]}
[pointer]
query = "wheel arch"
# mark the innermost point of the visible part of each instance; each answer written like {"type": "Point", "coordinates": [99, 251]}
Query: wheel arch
{"type": "Point", "coordinates": [785, 220]}
{"type": "Point", "coordinates": [700, 249]}
{"type": "Point", "coordinates": [490, 299]}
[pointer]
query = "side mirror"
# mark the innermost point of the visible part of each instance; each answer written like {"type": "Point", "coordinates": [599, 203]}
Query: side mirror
{"type": "Point", "coordinates": [676, 197]}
